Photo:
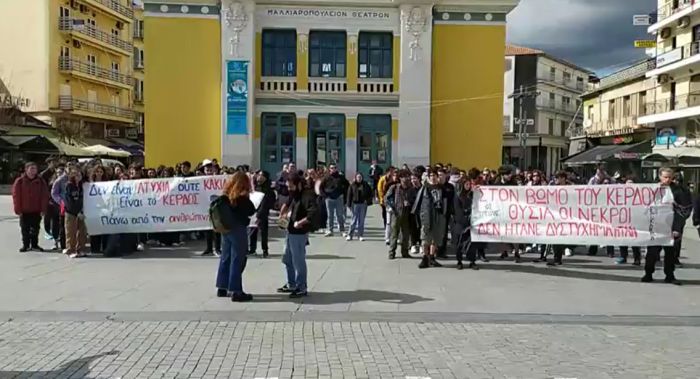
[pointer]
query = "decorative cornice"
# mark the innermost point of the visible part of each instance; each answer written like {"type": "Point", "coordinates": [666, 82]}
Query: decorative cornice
{"type": "Point", "coordinates": [182, 10]}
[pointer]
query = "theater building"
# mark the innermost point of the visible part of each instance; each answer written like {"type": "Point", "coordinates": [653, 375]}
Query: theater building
{"type": "Point", "coordinates": [319, 82]}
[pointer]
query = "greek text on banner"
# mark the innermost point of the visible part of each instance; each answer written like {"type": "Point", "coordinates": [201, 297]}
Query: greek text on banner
{"type": "Point", "coordinates": [614, 215]}
{"type": "Point", "coordinates": [150, 205]}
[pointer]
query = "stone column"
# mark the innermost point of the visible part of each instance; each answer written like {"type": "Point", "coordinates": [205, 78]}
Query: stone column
{"type": "Point", "coordinates": [238, 44]}
{"type": "Point", "coordinates": [415, 85]}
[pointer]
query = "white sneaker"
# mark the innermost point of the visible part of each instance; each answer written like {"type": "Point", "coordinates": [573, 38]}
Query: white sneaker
{"type": "Point", "coordinates": [568, 252]}
{"type": "Point", "coordinates": [528, 249]}
{"type": "Point", "coordinates": [345, 235]}
{"type": "Point", "coordinates": [414, 249]}
{"type": "Point", "coordinates": [140, 247]}
{"type": "Point", "coordinates": [65, 251]}
{"type": "Point", "coordinates": [362, 239]}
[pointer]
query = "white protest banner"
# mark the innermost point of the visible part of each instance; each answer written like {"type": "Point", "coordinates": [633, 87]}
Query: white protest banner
{"type": "Point", "coordinates": [614, 215]}
{"type": "Point", "coordinates": [150, 205]}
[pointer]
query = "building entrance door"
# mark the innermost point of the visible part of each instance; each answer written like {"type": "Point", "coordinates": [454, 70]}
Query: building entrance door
{"type": "Point", "coordinates": [277, 142]}
{"type": "Point", "coordinates": [374, 142]}
{"type": "Point", "coordinates": [327, 140]}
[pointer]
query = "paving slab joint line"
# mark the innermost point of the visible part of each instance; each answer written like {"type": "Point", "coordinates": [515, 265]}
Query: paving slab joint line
{"type": "Point", "coordinates": [331, 316]}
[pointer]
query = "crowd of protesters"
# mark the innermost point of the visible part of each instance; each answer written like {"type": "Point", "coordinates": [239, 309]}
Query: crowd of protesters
{"type": "Point", "coordinates": [426, 212]}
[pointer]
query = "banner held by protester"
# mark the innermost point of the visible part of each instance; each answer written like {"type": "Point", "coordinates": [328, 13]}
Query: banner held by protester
{"type": "Point", "coordinates": [150, 205]}
{"type": "Point", "coordinates": [614, 215]}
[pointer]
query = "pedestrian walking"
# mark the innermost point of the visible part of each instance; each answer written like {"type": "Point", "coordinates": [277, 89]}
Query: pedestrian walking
{"type": "Point", "coordinates": [432, 207]}
{"type": "Point", "coordinates": [359, 197]}
{"type": "Point", "coordinates": [334, 187]}
{"type": "Point", "coordinates": [30, 198]}
{"type": "Point", "coordinates": [398, 201]}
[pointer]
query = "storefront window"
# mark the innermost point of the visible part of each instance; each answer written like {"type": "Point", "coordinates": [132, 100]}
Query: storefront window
{"type": "Point", "coordinates": [375, 55]}
{"type": "Point", "coordinates": [327, 54]}
{"type": "Point", "coordinates": [279, 54]}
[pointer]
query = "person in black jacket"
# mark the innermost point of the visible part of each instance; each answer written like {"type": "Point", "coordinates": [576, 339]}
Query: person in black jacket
{"type": "Point", "coordinates": [299, 214]}
{"type": "Point", "coordinates": [683, 207]}
{"type": "Point", "coordinates": [398, 200]}
{"type": "Point", "coordinates": [262, 184]}
{"type": "Point", "coordinates": [76, 233]}
{"type": "Point", "coordinates": [696, 211]}
{"type": "Point", "coordinates": [462, 224]}
{"type": "Point", "coordinates": [450, 197]}
{"type": "Point", "coordinates": [333, 189]}
{"type": "Point", "coordinates": [654, 252]}
{"type": "Point", "coordinates": [359, 197]}
{"type": "Point", "coordinates": [229, 279]}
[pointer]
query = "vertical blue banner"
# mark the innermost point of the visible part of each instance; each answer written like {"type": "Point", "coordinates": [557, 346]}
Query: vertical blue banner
{"type": "Point", "coordinates": [236, 97]}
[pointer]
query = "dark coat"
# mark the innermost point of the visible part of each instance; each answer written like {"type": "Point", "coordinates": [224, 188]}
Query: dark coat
{"type": "Point", "coordinates": [359, 193]}
{"type": "Point", "coordinates": [268, 201]}
{"type": "Point", "coordinates": [73, 201]}
{"type": "Point", "coordinates": [682, 206]}
{"type": "Point", "coordinates": [399, 199]}
{"type": "Point", "coordinates": [301, 208]}
{"type": "Point", "coordinates": [425, 206]}
{"type": "Point", "coordinates": [334, 186]}
{"type": "Point", "coordinates": [696, 211]}
{"type": "Point", "coordinates": [30, 195]}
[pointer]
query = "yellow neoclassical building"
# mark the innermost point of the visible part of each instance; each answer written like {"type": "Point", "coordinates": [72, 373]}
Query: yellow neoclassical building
{"type": "Point", "coordinates": [76, 63]}
{"type": "Point", "coordinates": [318, 82]}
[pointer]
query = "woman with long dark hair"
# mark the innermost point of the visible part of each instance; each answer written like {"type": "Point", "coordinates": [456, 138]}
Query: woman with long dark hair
{"type": "Point", "coordinates": [98, 244]}
{"type": "Point", "coordinates": [229, 280]}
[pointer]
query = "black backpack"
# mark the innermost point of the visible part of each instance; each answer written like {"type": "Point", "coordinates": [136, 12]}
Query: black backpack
{"type": "Point", "coordinates": [220, 215]}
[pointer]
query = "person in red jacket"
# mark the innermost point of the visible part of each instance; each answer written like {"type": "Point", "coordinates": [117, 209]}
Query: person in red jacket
{"type": "Point", "coordinates": [30, 197]}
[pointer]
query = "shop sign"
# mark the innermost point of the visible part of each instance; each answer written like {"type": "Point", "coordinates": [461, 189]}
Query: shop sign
{"type": "Point", "coordinates": [237, 97]}
{"type": "Point", "coordinates": [645, 43]}
{"type": "Point", "coordinates": [666, 136]}
{"type": "Point", "coordinates": [670, 57]}
{"type": "Point", "coordinates": [622, 140]}
{"type": "Point", "coordinates": [626, 156]}
{"type": "Point", "coordinates": [14, 101]}
{"type": "Point", "coordinates": [132, 133]}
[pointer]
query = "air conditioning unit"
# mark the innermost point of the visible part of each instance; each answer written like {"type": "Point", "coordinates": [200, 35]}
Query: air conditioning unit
{"type": "Point", "coordinates": [663, 79]}
{"type": "Point", "coordinates": [683, 22]}
{"type": "Point", "coordinates": [665, 33]}
{"type": "Point", "coordinates": [120, 25]}
{"type": "Point", "coordinates": [77, 44]}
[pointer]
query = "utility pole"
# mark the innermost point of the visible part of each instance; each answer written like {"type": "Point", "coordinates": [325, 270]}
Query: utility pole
{"type": "Point", "coordinates": [522, 122]}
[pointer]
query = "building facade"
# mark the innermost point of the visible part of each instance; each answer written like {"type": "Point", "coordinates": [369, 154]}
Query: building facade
{"type": "Point", "coordinates": [551, 109]}
{"type": "Point", "coordinates": [320, 82]}
{"type": "Point", "coordinates": [673, 106]}
{"type": "Point", "coordinates": [74, 63]}
{"type": "Point", "coordinates": [611, 132]}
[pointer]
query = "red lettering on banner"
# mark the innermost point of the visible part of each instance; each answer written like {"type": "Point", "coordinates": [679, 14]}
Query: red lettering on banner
{"type": "Point", "coordinates": [160, 187]}
{"type": "Point", "coordinates": [621, 196]}
{"type": "Point", "coordinates": [488, 229]}
{"type": "Point", "coordinates": [214, 184]}
{"type": "Point", "coordinates": [546, 196]}
{"type": "Point", "coordinates": [181, 199]}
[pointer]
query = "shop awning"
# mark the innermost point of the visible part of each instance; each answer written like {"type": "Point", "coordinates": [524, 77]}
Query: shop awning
{"type": "Point", "coordinates": [70, 150]}
{"type": "Point", "coordinates": [602, 153]}
{"type": "Point", "coordinates": [17, 140]}
{"type": "Point", "coordinates": [107, 151]}
{"type": "Point", "coordinates": [134, 147]}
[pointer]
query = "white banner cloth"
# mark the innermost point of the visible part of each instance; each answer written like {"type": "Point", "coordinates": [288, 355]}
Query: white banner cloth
{"type": "Point", "coordinates": [151, 205]}
{"type": "Point", "coordinates": [611, 215]}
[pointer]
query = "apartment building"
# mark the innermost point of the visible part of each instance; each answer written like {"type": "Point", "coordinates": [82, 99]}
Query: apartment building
{"type": "Point", "coordinates": [74, 64]}
{"type": "Point", "coordinates": [673, 106]}
{"type": "Point", "coordinates": [317, 82]}
{"type": "Point", "coordinates": [611, 132]}
{"type": "Point", "coordinates": [551, 112]}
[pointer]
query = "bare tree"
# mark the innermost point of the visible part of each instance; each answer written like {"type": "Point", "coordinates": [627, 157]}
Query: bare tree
{"type": "Point", "coordinates": [71, 131]}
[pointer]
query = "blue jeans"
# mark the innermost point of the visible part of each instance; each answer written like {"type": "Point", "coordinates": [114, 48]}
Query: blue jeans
{"type": "Point", "coordinates": [233, 260]}
{"type": "Point", "coordinates": [336, 208]}
{"type": "Point", "coordinates": [359, 212]}
{"type": "Point", "coordinates": [295, 260]}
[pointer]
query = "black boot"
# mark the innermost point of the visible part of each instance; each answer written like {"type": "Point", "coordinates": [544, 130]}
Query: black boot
{"type": "Point", "coordinates": [425, 262]}
{"type": "Point", "coordinates": [460, 266]}
{"type": "Point", "coordinates": [647, 278]}
{"type": "Point", "coordinates": [434, 262]}
{"type": "Point", "coordinates": [504, 255]}
{"type": "Point", "coordinates": [473, 266]}
{"type": "Point", "coordinates": [517, 257]}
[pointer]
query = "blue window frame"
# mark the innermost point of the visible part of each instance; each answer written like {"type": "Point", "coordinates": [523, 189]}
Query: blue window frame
{"type": "Point", "coordinates": [327, 54]}
{"type": "Point", "coordinates": [375, 55]}
{"type": "Point", "coordinates": [279, 52]}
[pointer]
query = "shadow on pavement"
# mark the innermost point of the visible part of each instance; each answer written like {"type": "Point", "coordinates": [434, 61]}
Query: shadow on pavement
{"type": "Point", "coordinates": [345, 297]}
{"type": "Point", "coordinates": [196, 254]}
{"type": "Point", "coordinates": [78, 368]}
{"type": "Point", "coordinates": [562, 272]}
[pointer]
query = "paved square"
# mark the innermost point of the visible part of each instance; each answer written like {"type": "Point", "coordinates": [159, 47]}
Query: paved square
{"type": "Point", "coordinates": [155, 315]}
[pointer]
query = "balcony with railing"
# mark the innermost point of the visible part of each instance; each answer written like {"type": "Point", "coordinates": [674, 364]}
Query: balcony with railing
{"type": "Point", "coordinates": [82, 29]}
{"type": "Point", "coordinates": [557, 106]}
{"type": "Point", "coordinates": [676, 59]}
{"type": "Point", "coordinates": [375, 85]}
{"type": "Point", "coordinates": [69, 103]}
{"type": "Point", "coordinates": [675, 7]}
{"type": "Point", "coordinates": [278, 84]}
{"type": "Point", "coordinates": [681, 106]}
{"type": "Point", "coordinates": [138, 33]}
{"type": "Point", "coordinates": [113, 7]}
{"type": "Point", "coordinates": [328, 85]}
{"type": "Point", "coordinates": [95, 73]}
{"type": "Point", "coordinates": [570, 83]}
